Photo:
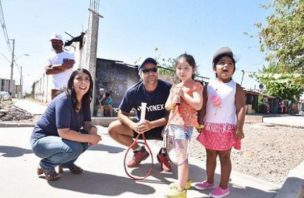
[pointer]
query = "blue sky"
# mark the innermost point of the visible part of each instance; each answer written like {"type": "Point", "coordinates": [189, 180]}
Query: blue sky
{"type": "Point", "coordinates": [132, 29]}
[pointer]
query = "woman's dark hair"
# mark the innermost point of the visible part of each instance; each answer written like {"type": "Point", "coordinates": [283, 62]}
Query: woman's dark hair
{"type": "Point", "coordinates": [189, 59]}
{"type": "Point", "coordinates": [70, 90]}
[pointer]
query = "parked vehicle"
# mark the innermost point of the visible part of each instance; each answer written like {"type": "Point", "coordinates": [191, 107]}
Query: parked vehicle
{"type": "Point", "coordinates": [4, 95]}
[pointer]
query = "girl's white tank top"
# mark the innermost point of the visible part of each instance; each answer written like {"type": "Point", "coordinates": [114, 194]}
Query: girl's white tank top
{"type": "Point", "coordinates": [226, 112]}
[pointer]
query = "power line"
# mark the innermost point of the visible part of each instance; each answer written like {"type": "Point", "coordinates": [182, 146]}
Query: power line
{"type": "Point", "coordinates": [2, 21]}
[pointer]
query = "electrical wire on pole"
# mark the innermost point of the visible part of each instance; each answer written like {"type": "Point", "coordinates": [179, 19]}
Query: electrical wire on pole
{"type": "Point", "coordinates": [3, 26]}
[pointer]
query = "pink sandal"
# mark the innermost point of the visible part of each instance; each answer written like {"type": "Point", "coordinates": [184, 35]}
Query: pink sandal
{"type": "Point", "coordinates": [219, 192]}
{"type": "Point", "coordinates": [204, 185]}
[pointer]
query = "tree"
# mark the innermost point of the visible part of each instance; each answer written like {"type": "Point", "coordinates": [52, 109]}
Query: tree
{"type": "Point", "coordinates": [282, 39]}
{"type": "Point", "coordinates": [280, 84]}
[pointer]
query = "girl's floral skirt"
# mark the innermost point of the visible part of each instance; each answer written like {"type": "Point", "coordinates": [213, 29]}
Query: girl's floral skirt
{"type": "Point", "coordinates": [219, 137]}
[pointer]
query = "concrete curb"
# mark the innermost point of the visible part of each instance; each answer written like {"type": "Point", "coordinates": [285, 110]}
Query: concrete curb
{"type": "Point", "coordinates": [293, 186]}
{"type": "Point", "coordinates": [103, 121]}
{"type": "Point", "coordinates": [16, 124]}
{"type": "Point", "coordinates": [285, 125]}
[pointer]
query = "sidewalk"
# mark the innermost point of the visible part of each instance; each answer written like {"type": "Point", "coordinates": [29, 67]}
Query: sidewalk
{"type": "Point", "coordinates": [285, 120]}
{"type": "Point", "coordinates": [104, 175]}
{"type": "Point", "coordinates": [30, 106]}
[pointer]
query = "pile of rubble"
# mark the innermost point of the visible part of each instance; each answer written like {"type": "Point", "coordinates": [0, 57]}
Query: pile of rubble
{"type": "Point", "coordinates": [9, 112]}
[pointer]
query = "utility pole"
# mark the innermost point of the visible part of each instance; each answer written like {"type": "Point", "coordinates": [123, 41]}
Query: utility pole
{"type": "Point", "coordinates": [12, 90]}
{"type": "Point", "coordinates": [21, 82]}
{"type": "Point", "coordinates": [91, 44]}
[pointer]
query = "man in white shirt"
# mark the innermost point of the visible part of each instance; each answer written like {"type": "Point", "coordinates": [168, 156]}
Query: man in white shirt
{"type": "Point", "coordinates": [60, 65]}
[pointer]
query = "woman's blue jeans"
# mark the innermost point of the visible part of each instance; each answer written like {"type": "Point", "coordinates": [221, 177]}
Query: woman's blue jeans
{"type": "Point", "coordinates": [57, 151]}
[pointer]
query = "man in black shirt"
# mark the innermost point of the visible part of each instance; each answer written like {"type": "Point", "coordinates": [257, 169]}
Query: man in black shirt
{"type": "Point", "coordinates": [154, 92]}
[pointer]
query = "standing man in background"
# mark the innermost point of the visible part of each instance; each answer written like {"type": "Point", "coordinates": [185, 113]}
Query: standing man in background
{"type": "Point", "coordinates": [60, 65]}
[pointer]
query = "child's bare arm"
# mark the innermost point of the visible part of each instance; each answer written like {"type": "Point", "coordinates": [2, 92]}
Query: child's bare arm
{"type": "Point", "coordinates": [202, 111]}
{"type": "Point", "coordinates": [240, 110]}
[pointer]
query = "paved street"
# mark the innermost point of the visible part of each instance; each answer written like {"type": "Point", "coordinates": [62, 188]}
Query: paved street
{"type": "Point", "coordinates": [104, 175]}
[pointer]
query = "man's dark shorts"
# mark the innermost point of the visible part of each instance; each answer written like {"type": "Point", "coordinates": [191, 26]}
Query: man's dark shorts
{"type": "Point", "coordinates": [154, 134]}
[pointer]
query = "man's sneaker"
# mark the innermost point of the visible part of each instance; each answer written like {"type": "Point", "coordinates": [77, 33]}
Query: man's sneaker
{"type": "Point", "coordinates": [219, 192]}
{"type": "Point", "coordinates": [187, 186]}
{"type": "Point", "coordinates": [176, 194]}
{"type": "Point", "coordinates": [204, 185]}
{"type": "Point", "coordinates": [137, 158]}
{"type": "Point", "coordinates": [164, 162]}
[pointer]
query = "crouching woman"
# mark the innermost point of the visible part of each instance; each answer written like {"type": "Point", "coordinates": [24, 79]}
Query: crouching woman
{"type": "Point", "coordinates": [65, 130]}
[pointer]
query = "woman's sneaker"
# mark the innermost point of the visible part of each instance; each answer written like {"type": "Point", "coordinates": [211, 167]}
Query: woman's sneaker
{"type": "Point", "coordinates": [219, 192]}
{"type": "Point", "coordinates": [204, 185]}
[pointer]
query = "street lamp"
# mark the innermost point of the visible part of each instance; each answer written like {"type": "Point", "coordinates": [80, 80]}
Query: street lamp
{"type": "Point", "coordinates": [21, 56]}
{"type": "Point", "coordinates": [3, 55]}
{"type": "Point", "coordinates": [243, 73]}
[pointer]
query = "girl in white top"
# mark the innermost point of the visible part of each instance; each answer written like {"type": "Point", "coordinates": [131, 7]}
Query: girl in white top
{"type": "Point", "coordinates": [223, 115]}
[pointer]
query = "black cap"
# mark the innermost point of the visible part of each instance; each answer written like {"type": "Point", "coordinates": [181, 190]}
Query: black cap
{"type": "Point", "coordinates": [223, 51]}
{"type": "Point", "coordinates": [148, 60]}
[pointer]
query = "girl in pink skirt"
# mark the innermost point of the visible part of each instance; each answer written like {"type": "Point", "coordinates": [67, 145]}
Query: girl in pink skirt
{"type": "Point", "coordinates": [223, 115]}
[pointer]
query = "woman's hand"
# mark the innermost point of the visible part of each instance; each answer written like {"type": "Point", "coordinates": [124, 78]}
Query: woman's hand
{"type": "Point", "coordinates": [94, 139]}
{"type": "Point", "coordinates": [89, 127]}
{"type": "Point", "coordinates": [93, 130]}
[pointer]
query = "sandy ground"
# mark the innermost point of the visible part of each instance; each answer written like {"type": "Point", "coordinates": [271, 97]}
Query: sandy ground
{"type": "Point", "coordinates": [268, 152]}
